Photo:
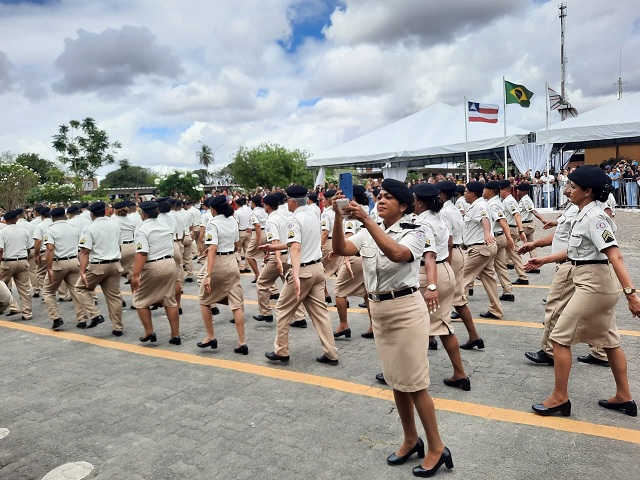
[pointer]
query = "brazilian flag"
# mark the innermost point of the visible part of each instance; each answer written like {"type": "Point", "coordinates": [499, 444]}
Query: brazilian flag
{"type": "Point", "coordinates": [517, 94]}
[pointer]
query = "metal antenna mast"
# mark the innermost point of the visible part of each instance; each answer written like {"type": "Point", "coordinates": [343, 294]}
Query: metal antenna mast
{"type": "Point", "coordinates": [563, 58]}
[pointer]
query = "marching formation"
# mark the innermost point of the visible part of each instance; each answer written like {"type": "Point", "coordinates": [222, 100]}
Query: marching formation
{"type": "Point", "coordinates": [413, 259]}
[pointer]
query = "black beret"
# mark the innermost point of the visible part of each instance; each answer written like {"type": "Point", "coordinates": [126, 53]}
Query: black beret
{"type": "Point", "coordinates": [241, 201]}
{"type": "Point", "coordinates": [73, 209]}
{"type": "Point", "coordinates": [271, 200]}
{"type": "Point", "coordinates": [398, 190]}
{"type": "Point", "coordinates": [97, 207]}
{"type": "Point", "coordinates": [257, 199]}
{"type": "Point", "coordinates": [11, 214]}
{"type": "Point", "coordinates": [131, 203]}
{"type": "Point", "coordinates": [57, 212]}
{"type": "Point", "coordinates": [313, 197]}
{"type": "Point", "coordinates": [329, 193]}
{"type": "Point", "coordinates": [84, 205]}
{"type": "Point", "coordinates": [446, 186]}
{"type": "Point", "coordinates": [492, 185]}
{"type": "Point", "coordinates": [589, 176]}
{"type": "Point", "coordinates": [524, 187]}
{"type": "Point", "coordinates": [296, 191]}
{"type": "Point", "coordinates": [281, 195]}
{"type": "Point", "coordinates": [376, 192]}
{"type": "Point", "coordinates": [37, 209]}
{"type": "Point", "coordinates": [119, 205]}
{"type": "Point", "coordinates": [425, 190]}
{"type": "Point", "coordinates": [44, 211]}
{"type": "Point", "coordinates": [218, 201]}
{"type": "Point", "coordinates": [358, 190]}
{"type": "Point", "coordinates": [475, 187]}
{"type": "Point", "coordinates": [505, 184]}
{"type": "Point", "coordinates": [148, 206]}
{"type": "Point", "coordinates": [460, 188]}
{"type": "Point", "coordinates": [178, 203]}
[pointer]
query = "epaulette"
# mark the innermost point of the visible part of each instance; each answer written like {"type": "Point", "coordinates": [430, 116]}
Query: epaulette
{"type": "Point", "coordinates": [409, 226]}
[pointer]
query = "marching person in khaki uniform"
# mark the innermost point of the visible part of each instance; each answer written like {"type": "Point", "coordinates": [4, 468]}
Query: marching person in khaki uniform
{"type": "Point", "coordinates": [331, 263]}
{"type": "Point", "coordinates": [304, 282]}
{"type": "Point", "coordinates": [243, 217]}
{"type": "Point", "coordinates": [61, 242]}
{"type": "Point", "coordinates": [31, 229]}
{"type": "Point", "coordinates": [528, 212]}
{"type": "Point", "coordinates": [502, 234]}
{"type": "Point", "coordinates": [14, 244]}
{"type": "Point", "coordinates": [33, 266]}
{"type": "Point", "coordinates": [258, 222]}
{"type": "Point", "coordinates": [516, 230]}
{"type": "Point", "coordinates": [39, 249]}
{"type": "Point", "coordinates": [99, 253]}
{"type": "Point", "coordinates": [437, 281]}
{"type": "Point", "coordinates": [275, 265]}
{"type": "Point", "coordinates": [127, 227]}
{"type": "Point", "coordinates": [5, 297]}
{"type": "Point", "coordinates": [154, 273]}
{"type": "Point", "coordinates": [222, 284]}
{"type": "Point", "coordinates": [190, 240]}
{"type": "Point", "coordinates": [76, 219]}
{"type": "Point", "coordinates": [164, 206]}
{"type": "Point", "coordinates": [589, 316]}
{"type": "Point", "coordinates": [390, 260]}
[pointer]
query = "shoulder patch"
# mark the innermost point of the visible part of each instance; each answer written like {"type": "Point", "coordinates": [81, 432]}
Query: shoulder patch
{"type": "Point", "coordinates": [483, 213]}
{"type": "Point", "coordinates": [607, 236]}
{"type": "Point", "coordinates": [46, 237]}
{"type": "Point", "coordinates": [82, 241]}
{"type": "Point", "coordinates": [138, 246]}
{"type": "Point", "coordinates": [291, 234]}
{"type": "Point", "coordinates": [349, 225]}
{"type": "Point", "coordinates": [601, 225]}
{"type": "Point", "coordinates": [209, 236]}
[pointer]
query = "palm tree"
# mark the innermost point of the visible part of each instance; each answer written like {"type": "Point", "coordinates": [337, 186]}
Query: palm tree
{"type": "Point", "coordinates": [205, 155]}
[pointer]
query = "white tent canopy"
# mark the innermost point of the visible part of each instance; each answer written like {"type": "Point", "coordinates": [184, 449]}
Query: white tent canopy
{"type": "Point", "coordinates": [618, 119]}
{"type": "Point", "coordinates": [438, 130]}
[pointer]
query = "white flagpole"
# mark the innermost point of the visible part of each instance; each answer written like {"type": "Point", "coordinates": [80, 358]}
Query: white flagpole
{"type": "Point", "coordinates": [466, 136]}
{"type": "Point", "coordinates": [504, 120]}
{"type": "Point", "coordinates": [546, 92]}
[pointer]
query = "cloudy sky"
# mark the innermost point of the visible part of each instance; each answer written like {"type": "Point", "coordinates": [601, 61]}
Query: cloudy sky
{"type": "Point", "coordinates": [161, 76]}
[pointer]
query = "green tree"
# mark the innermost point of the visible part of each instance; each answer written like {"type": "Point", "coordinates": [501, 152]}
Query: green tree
{"type": "Point", "coordinates": [180, 184]}
{"type": "Point", "coordinates": [36, 163]}
{"type": "Point", "coordinates": [84, 147]}
{"type": "Point", "coordinates": [15, 183]}
{"type": "Point", "coordinates": [203, 175]}
{"type": "Point", "coordinates": [55, 192]}
{"type": "Point", "coordinates": [205, 155]}
{"type": "Point", "coordinates": [268, 165]}
{"type": "Point", "coordinates": [128, 176]}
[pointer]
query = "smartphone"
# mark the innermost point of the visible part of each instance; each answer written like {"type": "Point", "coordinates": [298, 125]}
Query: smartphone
{"type": "Point", "coordinates": [346, 184]}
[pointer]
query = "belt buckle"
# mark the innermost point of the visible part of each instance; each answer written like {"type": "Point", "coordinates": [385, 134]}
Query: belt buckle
{"type": "Point", "coordinates": [375, 297]}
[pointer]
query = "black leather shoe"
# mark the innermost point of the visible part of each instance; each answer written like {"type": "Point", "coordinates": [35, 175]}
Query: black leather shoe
{"type": "Point", "coordinates": [211, 343]}
{"type": "Point", "coordinates": [274, 357]}
{"type": "Point", "coordinates": [153, 307]}
{"type": "Point", "coordinates": [539, 357]}
{"type": "Point", "coordinates": [629, 408]}
{"type": "Point", "coordinates": [116, 333]}
{"type": "Point", "coordinates": [564, 409]}
{"type": "Point", "coordinates": [362, 305]}
{"type": "Point", "coordinates": [175, 341]}
{"type": "Point", "coordinates": [445, 459]}
{"type": "Point", "coordinates": [233, 320]}
{"type": "Point", "coordinates": [463, 383]}
{"type": "Point", "coordinates": [179, 310]}
{"type": "Point", "coordinates": [324, 359]}
{"type": "Point", "coordinates": [454, 315]}
{"type": "Point", "coordinates": [242, 350]}
{"type": "Point", "coordinates": [81, 325]}
{"type": "Point", "coordinates": [380, 378]}
{"type": "Point", "coordinates": [327, 299]}
{"type": "Point", "coordinates": [255, 280]}
{"type": "Point", "coordinates": [263, 318]}
{"type": "Point", "coordinates": [149, 338]}
{"type": "Point", "coordinates": [367, 335]}
{"type": "Point", "coordinates": [592, 360]}
{"type": "Point", "coordinates": [299, 324]}
{"type": "Point", "coordinates": [521, 282]}
{"type": "Point", "coordinates": [124, 304]}
{"type": "Point", "coordinates": [189, 279]}
{"type": "Point", "coordinates": [418, 448]}
{"type": "Point", "coordinates": [132, 307]}
{"type": "Point", "coordinates": [535, 270]}
{"type": "Point", "coordinates": [95, 321]}
{"type": "Point", "coordinates": [510, 267]}
{"type": "Point", "coordinates": [215, 311]}
{"type": "Point", "coordinates": [476, 343]}
{"type": "Point", "coordinates": [507, 297]}
{"type": "Point", "coordinates": [470, 292]}
{"type": "Point", "coordinates": [13, 313]}
{"type": "Point", "coordinates": [36, 295]}
{"type": "Point", "coordinates": [57, 323]}
{"type": "Point", "coordinates": [489, 315]}
{"type": "Point", "coordinates": [433, 344]}
{"type": "Point", "coordinates": [275, 296]}
{"type": "Point", "coordinates": [346, 333]}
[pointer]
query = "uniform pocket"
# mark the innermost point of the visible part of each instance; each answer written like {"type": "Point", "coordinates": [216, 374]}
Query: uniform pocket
{"type": "Point", "coordinates": [575, 241]}
{"type": "Point", "coordinates": [368, 252]}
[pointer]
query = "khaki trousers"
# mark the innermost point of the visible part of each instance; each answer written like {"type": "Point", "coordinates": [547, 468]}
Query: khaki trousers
{"type": "Point", "coordinates": [33, 271]}
{"type": "Point", "coordinates": [107, 276]}
{"type": "Point", "coordinates": [312, 296]}
{"type": "Point", "coordinates": [500, 264]}
{"type": "Point", "coordinates": [187, 256]}
{"type": "Point", "coordinates": [514, 257]}
{"type": "Point", "coordinates": [127, 257]}
{"type": "Point", "coordinates": [457, 265]}
{"type": "Point", "coordinates": [41, 272]}
{"type": "Point", "coordinates": [19, 272]}
{"type": "Point", "coordinates": [330, 266]}
{"type": "Point", "coordinates": [245, 239]}
{"type": "Point", "coordinates": [480, 263]}
{"type": "Point", "coordinates": [268, 276]}
{"type": "Point", "coordinates": [65, 272]}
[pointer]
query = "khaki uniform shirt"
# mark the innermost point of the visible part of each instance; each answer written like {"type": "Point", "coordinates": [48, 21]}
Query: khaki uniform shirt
{"type": "Point", "coordinates": [563, 230]}
{"type": "Point", "coordinates": [195, 216]}
{"type": "Point", "coordinates": [223, 232]}
{"type": "Point", "coordinates": [29, 227]}
{"type": "Point", "coordinates": [593, 231]}
{"type": "Point", "coordinates": [243, 217]}
{"type": "Point", "coordinates": [436, 234]}
{"type": "Point", "coordinates": [258, 217]}
{"type": "Point", "coordinates": [154, 238]}
{"type": "Point", "coordinates": [462, 205]}
{"type": "Point", "coordinates": [135, 218]}
{"type": "Point", "coordinates": [326, 220]}
{"type": "Point", "coordinates": [452, 218]}
{"type": "Point", "coordinates": [79, 223]}
{"type": "Point", "coordinates": [283, 210]}
{"type": "Point", "coordinates": [63, 238]}
{"type": "Point", "coordinates": [127, 227]}
{"type": "Point", "coordinates": [14, 242]}
{"type": "Point", "coordinates": [171, 223]}
{"type": "Point", "coordinates": [473, 232]}
{"type": "Point", "coordinates": [526, 208]}
{"type": "Point", "coordinates": [102, 239]}
{"type": "Point", "coordinates": [276, 228]}
{"type": "Point", "coordinates": [511, 207]}
{"type": "Point", "coordinates": [303, 227]}
{"type": "Point", "coordinates": [497, 213]}
{"type": "Point", "coordinates": [40, 230]}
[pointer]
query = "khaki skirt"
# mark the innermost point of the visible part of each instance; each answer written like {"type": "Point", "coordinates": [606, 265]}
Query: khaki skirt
{"type": "Point", "coordinates": [457, 265]}
{"type": "Point", "coordinates": [330, 266]}
{"type": "Point", "coordinates": [440, 321]}
{"type": "Point", "coordinates": [252, 251]}
{"type": "Point", "coordinates": [401, 334]}
{"type": "Point", "coordinates": [157, 285]}
{"type": "Point", "coordinates": [590, 316]}
{"type": "Point", "coordinates": [346, 285]}
{"type": "Point", "coordinates": [225, 284]}
{"type": "Point", "coordinates": [127, 255]}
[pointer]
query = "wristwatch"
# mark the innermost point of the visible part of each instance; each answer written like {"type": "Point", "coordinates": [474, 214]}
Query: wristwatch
{"type": "Point", "coordinates": [432, 287]}
{"type": "Point", "coordinates": [628, 290]}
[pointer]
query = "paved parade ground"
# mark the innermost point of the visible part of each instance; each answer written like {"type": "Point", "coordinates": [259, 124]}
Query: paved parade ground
{"type": "Point", "coordinates": [140, 411]}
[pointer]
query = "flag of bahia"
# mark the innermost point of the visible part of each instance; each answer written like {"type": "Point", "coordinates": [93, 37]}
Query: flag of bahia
{"type": "Point", "coordinates": [483, 112]}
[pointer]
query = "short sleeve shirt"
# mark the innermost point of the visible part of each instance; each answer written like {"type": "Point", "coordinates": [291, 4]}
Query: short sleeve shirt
{"type": "Point", "coordinates": [511, 208]}
{"type": "Point", "coordinates": [14, 242]}
{"type": "Point", "coordinates": [276, 228]}
{"type": "Point", "coordinates": [563, 230]}
{"type": "Point", "coordinates": [526, 208]}
{"type": "Point", "coordinates": [102, 238]}
{"type": "Point", "coordinates": [155, 238]}
{"type": "Point", "coordinates": [259, 217]}
{"type": "Point", "coordinates": [40, 230]}
{"type": "Point", "coordinates": [303, 227]}
{"type": "Point", "coordinates": [593, 231]}
{"type": "Point", "coordinates": [64, 239]}
{"type": "Point", "coordinates": [497, 213]}
{"type": "Point", "coordinates": [452, 218]}
{"type": "Point", "coordinates": [223, 232]}
{"type": "Point", "coordinates": [436, 234]}
{"type": "Point", "coordinates": [327, 220]}
{"type": "Point", "coordinates": [473, 231]}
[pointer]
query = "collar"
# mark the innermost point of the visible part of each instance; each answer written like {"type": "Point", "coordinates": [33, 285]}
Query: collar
{"type": "Point", "coordinates": [586, 209]}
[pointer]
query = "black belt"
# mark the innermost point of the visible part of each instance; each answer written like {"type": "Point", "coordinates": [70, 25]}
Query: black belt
{"type": "Point", "coordinates": [127, 243]}
{"type": "Point", "coordinates": [441, 261]}
{"type": "Point", "coordinates": [14, 259]}
{"type": "Point", "coordinates": [513, 226]}
{"type": "Point", "coordinates": [577, 263]}
{"type": "Point", "coordinates": [284, 252]}
{"type": "Point", "coordinates": [225, 253]}
{"type": "Point", "coordinates": [455, 245]}
{"type": "Point", "coordinates": [474, 244]}
{"type": "Point", "coordinates": [381, 297]}
{"type": "Point", "coordinates": [310, 263]}
{"type": "Point", "coordinates": [497, 234]}
{"type": "Point", "coordinates": [66, 258]}
{"type": "Point", "coordinates": [527, 221]}
{"type": "Point", "coordinates": [102, 262]}
{"type": "Point", "coordinates": [161, 258]}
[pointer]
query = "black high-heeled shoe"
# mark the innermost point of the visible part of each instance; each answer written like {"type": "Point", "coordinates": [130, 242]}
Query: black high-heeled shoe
{"type": "Point", "coordinates": [476, 343]}
{"type": "Point", "coordinates": [463, 383]}
{"type": "Point", "coordinates": [175, 340]}
{"type": "Point", "coordinates": [394, 459]}
{"type": "Point", "coordinates": [445, 459]}
{"type": "Point", "coordinates": [211, 343]}
{"type": "Point", "coordinates": [242, 350]}
{"type": "Point", "coordinates": [630, 408]}
{"type": "Point", "coordinates": [149, 338]}
{"type": "Point", "coordinates": [346, 333]}
{"type": "Point", "coordinates": [563, 408]}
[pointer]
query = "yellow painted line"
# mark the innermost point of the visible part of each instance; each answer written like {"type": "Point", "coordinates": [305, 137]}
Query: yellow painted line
{"type": "Point", "coordinates": [455, 406]}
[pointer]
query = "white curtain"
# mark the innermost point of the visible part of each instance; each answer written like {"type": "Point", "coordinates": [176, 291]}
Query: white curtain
{"type": "Point", "coordinates": [529, 156]}
{"type": "Point", "coordinates": [397, 172]}
{"type": "Point", "coordinates": [320, 178]}
{"type": "Point", "coordinates": [558, 161]}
